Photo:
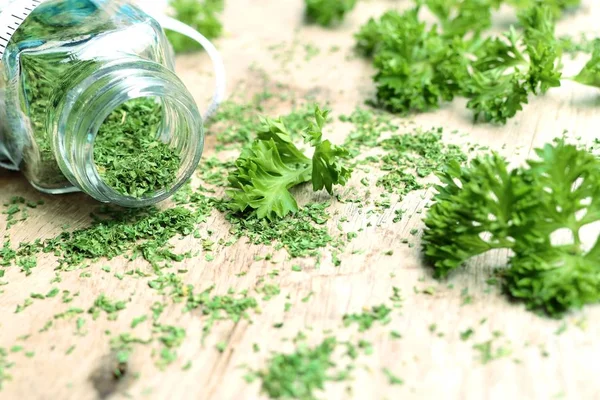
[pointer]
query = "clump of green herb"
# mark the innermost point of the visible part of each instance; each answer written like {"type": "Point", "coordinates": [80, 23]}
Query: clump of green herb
{"type": "Point", "coordinates": [458, 18]}
{"type": "Point", "coordinates": [301, 234]}
{"type": "Point", "coordinates": [327, 12]}
{"type": "Point", "coordinates": [487, 206]}
{"type": "Point", "coordinates": [301, 374]}
{"type": "Point", "coordinates": [406, 51]}
{"type": "Point", "coordinates": [272, 164]}
{"type": "Point", "coordinates": [418, 66]}
{"type": "Point", "coordinates": [204, 16]}
{"type": "Point", "coordinates": [127, 153]}
{"type": "Point", "coordinates": [115, 232]}
{"type": "Point", "coordinates": [590, 74]}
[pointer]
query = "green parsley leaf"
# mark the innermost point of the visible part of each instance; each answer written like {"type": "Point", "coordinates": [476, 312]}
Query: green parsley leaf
{"type": "Point", "coordinates": [590, 74]}
{"type": "Point", "coordinates": [327, 166]}
{"type": "Point", "coordinates": [328, 12]}
{"type": "Point", "coordinates": [419, 66]}
{"type": "Point", "coordinates": [200, 15]}
{"type": "Point", "coordinates": [416, 67]}
{"type": "Point", "coordinates": [460, 17]}
{"type": "Point", "coordinates": [484, 206]}
{"type": "Point", "coordinates": [504, 75]}
{"type": "Point", "coordinates": [272, 164]}
{"type": "Point", "coordinates": [472, 213]}
{"type": "Point", "coordinates": [556, 7]}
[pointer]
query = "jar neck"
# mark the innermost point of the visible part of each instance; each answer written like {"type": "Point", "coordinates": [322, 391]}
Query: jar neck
{"type": "Point", "coordinates": [86, 106]}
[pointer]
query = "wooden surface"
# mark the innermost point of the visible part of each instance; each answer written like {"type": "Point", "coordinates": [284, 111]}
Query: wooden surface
{"type": "Point", "coordinates": [543, 365]}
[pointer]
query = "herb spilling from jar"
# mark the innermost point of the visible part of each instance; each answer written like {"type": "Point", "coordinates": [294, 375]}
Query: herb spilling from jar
{"type": "Point", "coordinates": [127, 153]}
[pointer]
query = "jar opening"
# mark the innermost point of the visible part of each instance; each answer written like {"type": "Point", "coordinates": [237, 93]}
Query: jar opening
{"type": "Point", "coordinates": [130, 134]}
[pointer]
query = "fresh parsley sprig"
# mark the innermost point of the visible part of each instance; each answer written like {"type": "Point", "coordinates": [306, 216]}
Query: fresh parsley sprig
{"type": "Point", "coordinates": [420, 66]}
{"type": "Point", "coordinates": [267, 169]}
{"type": "Point", "coordinates": [327, 12]}
{"type": "Point", "coordinates": [590, 73]}
{"type": "Point", "coordinates": [509, 68]}
{"type": "Point", "coordinates": [201, 15]}
{"type": "Point", "coordinates": [487, 206]}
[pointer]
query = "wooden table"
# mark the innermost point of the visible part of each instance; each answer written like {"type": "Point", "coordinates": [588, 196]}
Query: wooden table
{"type": "Point", "coordinates": [543, 365]}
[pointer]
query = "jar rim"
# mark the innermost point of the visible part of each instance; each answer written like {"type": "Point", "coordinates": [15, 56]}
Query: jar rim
{"type": "Point", "coordinates": [96, 97]}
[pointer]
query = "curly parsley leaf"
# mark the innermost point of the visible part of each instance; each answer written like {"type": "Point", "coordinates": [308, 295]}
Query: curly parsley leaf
{"type": "Point", "coordinates": [328, 12]}
{"type": "Point", "coordinates": [538, 212]}
{"type": "Point", "coordinates": [328, 168]}
{"type": "Point", "coordinates": [504, 75]}
{"type": "Point", "coordinates": [267, 169]}
{"type": "Point", "coordinates": [590, 74]}
{"type": "Point", "coordinates": [371, 35]}
{"type": "Point", "coordinates": [462, 17]}
{"type": "Point", "coordinates": [556, 7]}
{"type": "Point", "coordinates": [416, 67]}
{"type": "Point", "coordinates": [473, 212]}
{"type": "Point", "coordinates": [552, 269]}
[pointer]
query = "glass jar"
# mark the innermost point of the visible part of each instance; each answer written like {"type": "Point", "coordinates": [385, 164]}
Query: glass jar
{"type": "Point", "coordinates": [67, 68]}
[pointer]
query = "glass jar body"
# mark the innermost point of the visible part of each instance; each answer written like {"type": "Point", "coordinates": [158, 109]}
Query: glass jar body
{"type": "Point", "coordinates": [49, 83]}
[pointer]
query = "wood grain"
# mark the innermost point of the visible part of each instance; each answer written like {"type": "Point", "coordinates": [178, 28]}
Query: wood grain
{"type": "Point", "coordinates": [543, 365]}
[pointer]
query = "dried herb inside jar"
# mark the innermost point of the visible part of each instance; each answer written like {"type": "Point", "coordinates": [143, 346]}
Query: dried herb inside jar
{"type": "Point", "coordinates": [127, 153]}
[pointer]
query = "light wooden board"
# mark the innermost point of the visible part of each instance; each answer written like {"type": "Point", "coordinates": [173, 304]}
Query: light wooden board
{"type": "Point", "coordinates": [550, 365]}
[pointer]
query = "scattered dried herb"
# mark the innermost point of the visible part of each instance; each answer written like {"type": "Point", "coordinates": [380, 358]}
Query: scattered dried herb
{"type": "Point", "coordinates": [16, 210]}
{"type": "Point", "coordinates": [110, 307]}
{"type": "Point", "coordinates": [368, 317]}
{"type": "Point", "coordinates": [5, 365]}
{"type": "Point", "coordinates": [301, 234]}
{"type": "Point", "coordinates": [488, 353]}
